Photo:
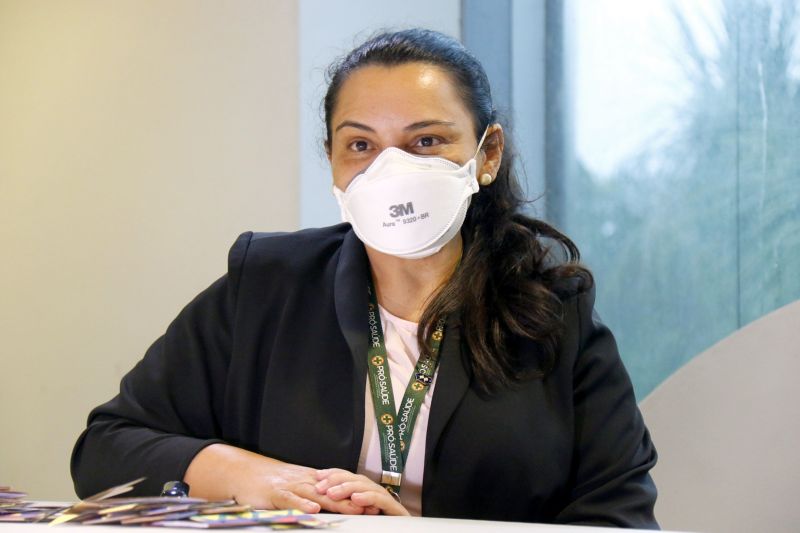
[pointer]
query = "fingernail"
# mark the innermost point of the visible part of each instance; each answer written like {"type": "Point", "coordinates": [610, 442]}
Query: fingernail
{"type": "Point", "coordinates": [321, 486]}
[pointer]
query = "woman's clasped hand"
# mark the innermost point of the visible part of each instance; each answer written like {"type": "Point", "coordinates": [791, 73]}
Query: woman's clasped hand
{"type": "Point", "coordinates": [340, 486]}
{"type": "Point", "coordinates": [266, 483]}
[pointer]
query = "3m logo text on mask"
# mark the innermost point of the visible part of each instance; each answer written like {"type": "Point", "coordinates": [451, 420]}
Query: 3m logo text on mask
{"type": "Point", "coordinates": [400, 210]}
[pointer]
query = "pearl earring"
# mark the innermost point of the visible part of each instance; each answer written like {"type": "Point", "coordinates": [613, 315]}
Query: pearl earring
{"type": "Point", "coordinates": [486, 179]}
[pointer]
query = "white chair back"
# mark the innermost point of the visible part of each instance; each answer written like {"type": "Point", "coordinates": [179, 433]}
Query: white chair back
{"type": "Point", "coordinates": [727, 430]}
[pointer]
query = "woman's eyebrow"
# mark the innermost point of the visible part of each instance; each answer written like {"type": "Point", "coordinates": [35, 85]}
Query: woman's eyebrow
{"type": "Point", "coordinates": [353, 124]}
{"type": "Point", "coordinates": [426, 123]}
{"type": "Point", "coordinates": [411, 127]}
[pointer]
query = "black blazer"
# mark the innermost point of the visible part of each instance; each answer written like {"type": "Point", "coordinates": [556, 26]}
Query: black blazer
{"type": "Point", "coordinates": [272, 358]}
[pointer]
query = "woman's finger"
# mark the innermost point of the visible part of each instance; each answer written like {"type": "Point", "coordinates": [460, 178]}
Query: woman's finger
{"type": "Point", "coordinates": [345, 489]}
{"type": "Point", "coordinates": [381, 500]}
{"type": "Point", "coordinates": [336, 476]}
{"type": "Point", "coordinates": [286, 499]}
{"type": "Point", "coordinates": [306, 490]}
{"type": "Point", "coordinates": [324, 473]}
{"type": "Point", "coordinates": [367, 494]}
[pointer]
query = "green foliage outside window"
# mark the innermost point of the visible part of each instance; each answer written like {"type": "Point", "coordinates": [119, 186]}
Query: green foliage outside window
{"type": "Point", "coordinates": [699, 233]}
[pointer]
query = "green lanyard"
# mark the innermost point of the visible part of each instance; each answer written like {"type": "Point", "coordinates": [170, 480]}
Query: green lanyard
{"type": "Point", "coordinates": [395, 427]}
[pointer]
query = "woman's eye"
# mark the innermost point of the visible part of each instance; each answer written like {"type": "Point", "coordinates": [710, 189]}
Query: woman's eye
{"type": "Point", "coordinates": [427, 142]}
{"type": "Point", "coordinates": [359, 146]}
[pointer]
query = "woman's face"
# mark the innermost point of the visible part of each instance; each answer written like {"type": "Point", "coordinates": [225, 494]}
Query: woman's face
{"type": "Point", "coordinates": [413, 106]}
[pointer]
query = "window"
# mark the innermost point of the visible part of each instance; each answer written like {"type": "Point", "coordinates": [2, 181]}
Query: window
{"type": "Point", "coordinates": [673, 161]}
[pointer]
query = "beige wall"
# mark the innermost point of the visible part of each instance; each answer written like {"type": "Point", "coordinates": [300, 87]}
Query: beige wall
{"type": "Point", "coordinates": [137, 139]}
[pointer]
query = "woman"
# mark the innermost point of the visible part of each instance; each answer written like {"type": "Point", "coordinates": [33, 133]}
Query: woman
{"type": "Point", "coordinates": [436, 355]}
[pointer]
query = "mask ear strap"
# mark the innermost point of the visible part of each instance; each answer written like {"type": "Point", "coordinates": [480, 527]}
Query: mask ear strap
{"type": "Point", "coordinates": [480, 143]}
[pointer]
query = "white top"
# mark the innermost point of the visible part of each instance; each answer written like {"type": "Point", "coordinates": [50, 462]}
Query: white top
{"type": "Point", "coordinates": [400, 337]}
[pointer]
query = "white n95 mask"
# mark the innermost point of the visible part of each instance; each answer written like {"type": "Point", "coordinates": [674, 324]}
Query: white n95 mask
{"type": "Point", "coordinates": [406, 205]}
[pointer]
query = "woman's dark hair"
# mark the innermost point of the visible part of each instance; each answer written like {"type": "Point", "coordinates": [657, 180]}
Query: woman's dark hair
{"type": "Point", "coordinates": [509, 285]}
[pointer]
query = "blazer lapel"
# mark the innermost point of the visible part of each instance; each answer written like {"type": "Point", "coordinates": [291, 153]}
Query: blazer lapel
{"type": "Point", "coordinates": [350, 297]}
{"type": "Point", "coordinates": [350, 301]}
{"type": "Point", "coordinates": [452, 383]}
